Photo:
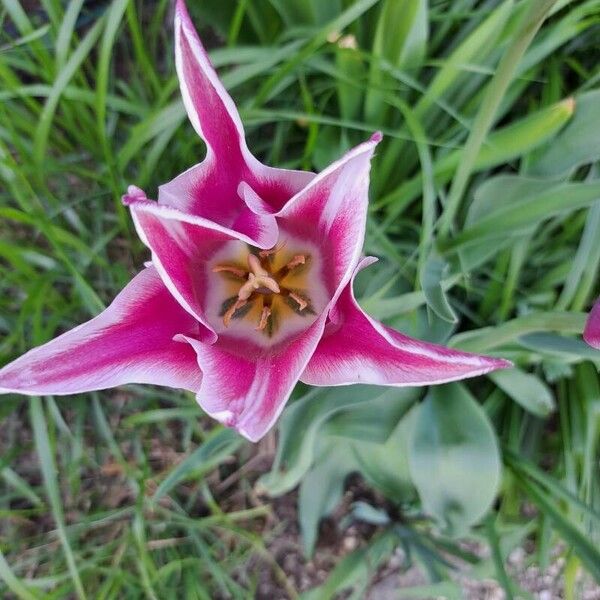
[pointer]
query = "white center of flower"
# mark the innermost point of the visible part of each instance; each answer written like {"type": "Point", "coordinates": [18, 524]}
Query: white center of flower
{"type": "Point", "coordinates": [266, 294]}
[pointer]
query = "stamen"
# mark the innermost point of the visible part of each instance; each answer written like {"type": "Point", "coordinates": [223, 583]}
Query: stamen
{"type": "Point", "coordinates": [232, 310]}
{"type": "Point", "coordinates": [298, 260]}
{"type": "Point", "coordinates": [302, 303]}
{"type": "Point", "coordinates": [264, 318]}
{"type": "Point", "coordinates": [261, 281]}
{"type": "Point", "coordinates": [233, 270]}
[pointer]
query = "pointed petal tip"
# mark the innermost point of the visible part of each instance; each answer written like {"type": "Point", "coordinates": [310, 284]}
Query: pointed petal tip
{"type": "Point", "coordinates": [591, 333]}
{"type": "Point", "coordinates": [181, 10]}
{"type": "Point", "coordinates": [134, 194]}
{"type": "Point", "coordinates": [496, 364]}
{"type": "Point", "coordinates": [591, 340]}
{"type": "Point", "coordinates": [251, 436]}
{"type": "Point", "coordinates": [376, 137]}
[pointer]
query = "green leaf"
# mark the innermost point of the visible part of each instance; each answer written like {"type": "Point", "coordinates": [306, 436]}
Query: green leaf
{"type": "Point", "coordinates": [385, 466]}
{"type": "Point", "coordinates": [295, 453]}
{"type": "Point", "coordinates": [373, 420]}
{"type": "Point", "coordinates": [565, 348]}
{"type": "Point", "coordinates": [573, 536]}
{"type": "Point", "coordinates": [48, 467]}
{"type": "Point", "coordinates": [484, 340]}
{"type": "Point", "coordinates": [531, 209]}
{"type": "Point", "coordinates": [400, 39]}
{"type": "Point", "coordinates": [577, 144]}
{"type": "Point", "coordinates": [454, 459]}
{"type": "Point", "coordinates": [355, 569]}
{"type": "Point", "coordinates": [322, 488]}
{"type": "Point", "coordinates": [526, 389]}
{"type": "Point", "coordinates": [64, 76]}
{"type": "Point", "coordinates": [431, 281]}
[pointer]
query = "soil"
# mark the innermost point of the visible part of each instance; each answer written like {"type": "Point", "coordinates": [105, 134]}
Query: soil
{"type": "Point", "coordinates": [283, 571]}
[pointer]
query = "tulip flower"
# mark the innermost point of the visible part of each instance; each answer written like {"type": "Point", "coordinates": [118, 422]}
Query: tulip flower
{"type": "Point", "coordinates": [591, 333]}
{"type": "Point", "coordinates": [250, 285]}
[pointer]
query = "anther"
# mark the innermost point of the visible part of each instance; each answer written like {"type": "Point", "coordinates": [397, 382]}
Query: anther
{"type": "Point", "coordinates": [233, 270]}
{"type": "Point", "coordinates": [264, 318]}
{"type": "Point", "coordinates": [232, 310]}
{"type": "Point", "coordinates": [298, 260]}
{"type": "Point", "coordinates": [302, 303]}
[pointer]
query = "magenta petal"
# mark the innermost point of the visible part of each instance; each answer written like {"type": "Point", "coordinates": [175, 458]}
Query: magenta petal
{"type": "Point", "coordinates": [591, 333]}
{"type": "Point", "coordinates": [332, 212]}
{"type": "Point", "coordinates": [130, 342]}
{"type": "Point", "coordinates": [359, 349]}
{"type": "Point", "coordinates": [246, 391]}
{"type": "Point", "coordinates": [181, 245]}
{"type": "Point", "coordinates": [206, 189]}
{"type": "Point", "coordinates": [210, 108]}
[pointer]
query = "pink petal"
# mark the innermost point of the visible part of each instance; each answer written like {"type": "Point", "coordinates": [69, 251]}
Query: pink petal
{"type": "Point", "coordinates": [130, 342]}
{"type": "Point", "coordinates": [359, 349]}
{"type": "Point", "coordinates": [210, 108]}
{"type": "Point", "coordinates": [592, 328]}
{"type": "Point", "coordinates": [247, 390]}
{"type": "Point", "coordinates": [331, 211]}
{"type": "Point", "coordinates": [209, 189]}
{"type": "Point", "coordinates": [182, 244]}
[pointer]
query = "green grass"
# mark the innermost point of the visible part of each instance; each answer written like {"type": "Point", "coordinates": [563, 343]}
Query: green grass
{"type": "Point", "coordinates": [485, 214]}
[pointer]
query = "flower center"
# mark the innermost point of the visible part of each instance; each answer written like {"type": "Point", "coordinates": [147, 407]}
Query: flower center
{"type": "Point", "coordinates": [267, 287]}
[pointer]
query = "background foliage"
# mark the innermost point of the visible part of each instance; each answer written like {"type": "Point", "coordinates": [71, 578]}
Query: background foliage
{"type": "Point", "coordinates": [485, 214]}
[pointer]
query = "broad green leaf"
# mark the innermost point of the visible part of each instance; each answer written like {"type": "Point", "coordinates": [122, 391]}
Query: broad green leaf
{"type": "Point", "coordinates": [532, 209]}
{"type": "Point", "coordinates": [373, 420]}
{"type": "Point", "coordinates": [295, 453]}
{"type": "Point", "coordinates": [577, 144]}
{"type": "Point", "coordinates": [479, 42]}
{"type": "Point", "coordinates": [526, 389]}
{"type": "Point", "coordinates": [502, 145]}
{"type": "Point", "coordinates": [565, 348]}
{"type": "Point", "coordinates": [454, 458]}
{"type": "Point", "coordinates": [363, 511]}
{"type": "Point", "coordinates": [431, 281]}
{"type": "Point", "coordinates": [582, 275]}
{"type": "Point", "coordinates": [501, 192]}
{"type": "Point", "coordinates": [350, 63]}
{"type": "Point", "coordinates": [484, 340]}
{"type": "Point", "coordinates": [322, 488]}
{"type": "Point", "coordinates": [385, 466]}
{"type": "Point", "coordinates": [490, 104]}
